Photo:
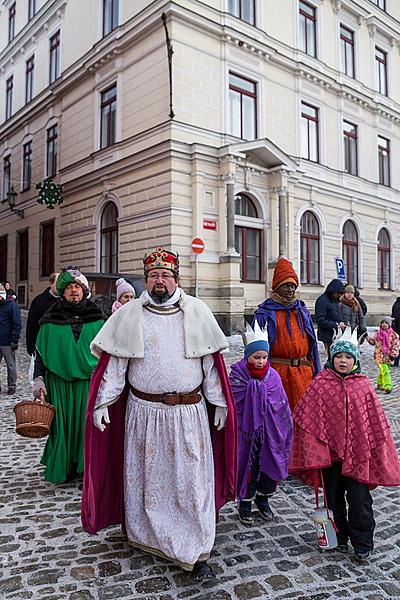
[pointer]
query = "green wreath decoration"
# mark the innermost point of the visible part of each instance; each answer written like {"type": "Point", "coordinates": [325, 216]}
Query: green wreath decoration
{"type": "Point", "coordinates": [50, 193]}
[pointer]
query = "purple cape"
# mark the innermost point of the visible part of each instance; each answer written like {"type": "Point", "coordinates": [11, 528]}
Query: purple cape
{"type": "Point", "coordinates": [263, 414]}
{"type": "Point", "coordinates": [266, 314]}
{"type": "Point", "coordinates": [103, 495]}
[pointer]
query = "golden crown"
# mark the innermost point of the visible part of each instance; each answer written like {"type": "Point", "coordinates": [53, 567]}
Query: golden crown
{"type": "Point", "coordinates": [161, 259]}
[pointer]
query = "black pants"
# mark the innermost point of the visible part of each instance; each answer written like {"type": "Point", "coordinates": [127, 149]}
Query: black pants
{"type": "Point", "coordinates": [357, 521]}
{"type": "Point", "coordinates": [259, 481]}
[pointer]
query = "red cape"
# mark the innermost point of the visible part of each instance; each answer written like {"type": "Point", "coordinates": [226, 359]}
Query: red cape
{"type": "Point", "coordinates": [342, 419]}
{"type": "Point", "coordinates": [102, 495]}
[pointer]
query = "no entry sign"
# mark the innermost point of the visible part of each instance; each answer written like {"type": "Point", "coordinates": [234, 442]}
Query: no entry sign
{"type": "Point", "coordinates": [197, 245]}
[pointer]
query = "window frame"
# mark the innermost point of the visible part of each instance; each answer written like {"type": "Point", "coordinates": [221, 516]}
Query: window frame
{"type": "Point", "coordinates": [9, 96]}
{"type": "Point", "coordinates": [31, 9]}
{"type": "Point", "coordinates": [347, 44]}
{"type": "Point", "coordinates": [307, 20]}
{"type": "Point", "coordinates": [350, 141]}
{"type": "Point", "coordinates": [6, 176]}
{"type": "Point", "coordinates": [382, 157]}
{"type": "Point", "coordinates": [4, 256]}
{"type": "Point", "coordinates": [243, 92]}
{"type": "Point", "coordinates": [382, 252]}
{"type": "Point", "coordinates": [113, 15]}
{"type": "Point", "coordinates": [29, 75]}
{"type": "Point", "coordinates": [51, 150]}
{"type": "Point", "coordinates": [114, 229]}
{"type": "Point", "coordinates": [11, 22]}
{"type": "Point", "coordinates": [347, 245]}
{"type": "Point", "coordinates": [380, 4]}
{"type": "Point", "coordinates": [47, 254]}
{"type": "Point", "coordinates": [240, 10]}
{"type": "Point", "coordinates": [245, 213]}
{"type": "Point", "coordinates": [309, 237]}
{"type": "Point", "coordinates": [23, 259]}
{"type": "Point", "coordinates": [109, 105]}
{"type": "Point", "coordinates": [308, 119]}
{"type": "Point", "coordinates": [26, 166]}
{"type": "Point", "coordinates": [54, 57]}
{"type": "Point", "coordinates": [381, 68]}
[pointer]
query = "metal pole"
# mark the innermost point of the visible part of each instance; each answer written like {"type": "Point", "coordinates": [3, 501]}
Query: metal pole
{"type": "Point", "coordinates": [196, 275]}
{"type": "Point", "coordinates": [282, 221]}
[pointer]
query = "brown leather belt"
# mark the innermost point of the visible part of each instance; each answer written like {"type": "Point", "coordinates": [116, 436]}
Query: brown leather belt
{"type": "Point", "coordinates": [293, 362]}
{"type": "Point", "coordinates": [170, 398]}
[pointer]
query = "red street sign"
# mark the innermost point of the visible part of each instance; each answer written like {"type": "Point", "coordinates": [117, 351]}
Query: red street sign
{"type": "Point", "coordinates": [197, 245]}
{"type": "Point", "coordinates": [209, 224]}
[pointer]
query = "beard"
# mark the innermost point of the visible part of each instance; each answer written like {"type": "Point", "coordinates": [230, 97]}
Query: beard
{"type": "Point", "coordinates": [161, 295]}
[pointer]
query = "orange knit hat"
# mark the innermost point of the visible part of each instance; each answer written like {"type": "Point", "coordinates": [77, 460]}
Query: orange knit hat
{"type": "Point", "coordinates": [284, 273]}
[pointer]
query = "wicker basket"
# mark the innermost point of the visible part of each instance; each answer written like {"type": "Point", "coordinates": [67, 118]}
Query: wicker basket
{"type": "Point", "coordinates": [34, 418]}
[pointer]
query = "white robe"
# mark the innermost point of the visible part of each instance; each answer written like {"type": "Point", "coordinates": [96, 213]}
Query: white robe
{"type": "Point", "coordinates": [168, 466]}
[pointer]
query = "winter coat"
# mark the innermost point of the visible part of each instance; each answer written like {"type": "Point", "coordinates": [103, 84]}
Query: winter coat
{"type": "Point", "coordinates": [353, 316]}
{"type": "Point", "coordinates": [396, 315]}
{"type": "Point", "coordinates": [39, 305]}
{"type": "Point", "coordinates": [10, 322]}
{"type": "Point", "coordinates": [380, 356]}
{"type": "Point", "coordinates": [327, 311]}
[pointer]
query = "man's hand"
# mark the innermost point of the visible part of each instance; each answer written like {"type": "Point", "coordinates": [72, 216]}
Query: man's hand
{"type": "Point", "coordinates": [100, 415]}
{"type": "Point", "coordinates": [14, 346]}
{"type": "Point", "coordinates": [221, 412]}
{"type": "Point", "coordinates": [38, 387]}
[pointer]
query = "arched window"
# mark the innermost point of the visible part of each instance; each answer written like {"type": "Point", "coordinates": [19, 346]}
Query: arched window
{"type": "Point", "coordinates": [248, 239]}
{"type": "Point", "coordinates": [109, 239]}
{"type": "Point", "coordinates": [309, 248]}
{"type": "Point", "coordinates": [350, 252]}
{"type": "Point", "coordinates": [384, 260]}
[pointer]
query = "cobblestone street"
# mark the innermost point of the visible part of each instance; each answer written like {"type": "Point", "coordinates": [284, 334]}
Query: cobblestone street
{"type": "Point", "coordinates": [47, 556]}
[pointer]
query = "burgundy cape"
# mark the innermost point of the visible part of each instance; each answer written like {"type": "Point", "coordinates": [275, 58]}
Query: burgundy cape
{"type": "Point", "coordinates": [342, 419]}
{"type": "Point", "coordinates": [103, 494]}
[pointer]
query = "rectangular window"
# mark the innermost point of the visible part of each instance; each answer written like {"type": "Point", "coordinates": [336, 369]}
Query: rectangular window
{"type": "Point", "coordinates": [29, 69]}
{"type": "Point", "coordinates": [11, 23]}
{"type": "Point", "coordinates": [23, 255]}
{"type": "Point", "coordinates": [6, 175]}
{"type": "Point", "coordinates": [51, 152]}
{"type": "Point", "coordinates": [347, 50]}
{"type": "Point", "coordinates": [308, 28]}
{"type": "Point", "coordinates": [108, 108]}
{"type": "Point", "coordinates": [31, 9]}
{"type": "Point", "coordinates": [248, 245]}
{"type": "Point", "coordinates": [350, 142]}
{"type": "Point", "coordinates": [54, 71]}
{"type": "Point", "coordinates": [243, 9]}
{"type": "Point", "coordinates": [110, 15]}
{"type": "Point", "coordinates": [9, 96]}
{"type": "Point", "coordinates": [309, 131]}
{"type": "Point", "coordinates": [381, 71]}
{"type": "Point", "coordinates": [46, 249]}
{"type": "Point", "coordinates": [380, 4]}
{"type": "Point", "coordinates": [3, 254]}
{"type": "Point", "coordinates": [243, 107]}
{"type": "Point", "coordinates": [27, 166]}
{"type": "Point", "coordinates": [384, 160]}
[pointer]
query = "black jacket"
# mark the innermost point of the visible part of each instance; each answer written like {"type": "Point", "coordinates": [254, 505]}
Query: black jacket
{"type": "Point", "coordinates": [10, 322]}
{"type": "Point", "coordinates": [40, 304]}
{"type": "Point", "coordinates": [327, 311]}
{"type": "Point", "coordinates": [396, 315]}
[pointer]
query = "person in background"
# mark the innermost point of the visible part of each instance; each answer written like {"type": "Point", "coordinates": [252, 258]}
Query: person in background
{"type": "Point", "coordinates": [361, 301]}
{"type": "Point", "coordinates": [10, 330]}
{"type": "Point", "coordinates": [342, 441]}
{"type": "Point", "coordinates": [327, 313]}
{"type": "Point", "coordinates": [264, 426]}
{"type": "Point", "coordinates": [387, 346]}
{"type": "Point", "coordinates": [39, 305]}
{"type": "Point", "coordinates": [396, 324]}
{"type": "Point", "coordinates": [125, 293]}
{"type": "Point", "coordinates": [351, 312]}
{"type": "Point", "coordinates": [11, 295]}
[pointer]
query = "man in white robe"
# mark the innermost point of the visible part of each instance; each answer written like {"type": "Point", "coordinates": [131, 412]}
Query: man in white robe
{"type": "Point", "coordinates": [162, 345]}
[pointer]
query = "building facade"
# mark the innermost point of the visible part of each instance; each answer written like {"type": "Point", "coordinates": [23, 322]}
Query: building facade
{"type": "Point", "coordinates": [262, 127]}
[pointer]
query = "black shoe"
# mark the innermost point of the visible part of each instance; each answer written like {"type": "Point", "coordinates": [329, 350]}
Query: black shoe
{"type": "Point", "coordinates": [245, 515]}
{"type": "Point", "coordinates": [264, 508]}
{"type": "Point", "coordinates": [362, 555]}
{"type": "Point", "coordinates": [246, 519]}
{"type": "Point", "coordinates": [342, 548]}
{"type": "Point", "coordinates": [202, 570]}
{"type": "Point", "coordinates": [11, 390]}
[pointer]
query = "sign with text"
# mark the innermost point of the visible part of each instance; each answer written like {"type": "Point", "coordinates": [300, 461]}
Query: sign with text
{"type": "Point", "coordinates": [209, 224]}
{"type": "Point", "coordinates": [340, 268]}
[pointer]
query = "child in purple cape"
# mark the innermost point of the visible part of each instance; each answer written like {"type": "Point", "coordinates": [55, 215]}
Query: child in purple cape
{"type": "Point", "coordinates": [264, 427]}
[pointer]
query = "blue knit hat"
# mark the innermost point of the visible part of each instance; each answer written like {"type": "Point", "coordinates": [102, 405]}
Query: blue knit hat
{"type": "Point", "coordinates": [255, 339]}
{"type": "Point", "coordinates": [345, 346]}
{"type": "Point", "coordinates": [255, 347]}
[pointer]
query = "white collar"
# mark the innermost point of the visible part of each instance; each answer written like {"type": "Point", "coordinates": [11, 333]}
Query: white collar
{"type": "Point", "coordinates": [172, 300]}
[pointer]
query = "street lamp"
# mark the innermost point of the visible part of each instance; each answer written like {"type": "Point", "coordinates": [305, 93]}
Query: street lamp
{"type": "Point", "coordinates": [11, 197]}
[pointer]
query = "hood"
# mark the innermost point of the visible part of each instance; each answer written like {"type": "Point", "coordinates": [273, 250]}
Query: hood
{"type": "Point", "coordinates": [336, 285]}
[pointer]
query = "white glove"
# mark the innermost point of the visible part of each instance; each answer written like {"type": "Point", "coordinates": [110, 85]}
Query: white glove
{"type": "Point", "coordinates": [39, 388]}
{"type": "Point", "coordinates": [221, 412]}
{"type": "Point", "coordinates": [99, 415]}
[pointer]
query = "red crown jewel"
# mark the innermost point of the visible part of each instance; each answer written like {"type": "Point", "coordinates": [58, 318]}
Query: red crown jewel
{"type": "Point", "coordinates": [161, 259]}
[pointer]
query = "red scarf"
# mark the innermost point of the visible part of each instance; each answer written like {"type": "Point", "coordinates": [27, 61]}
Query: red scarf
{"type": "Point", "coordinates": [257, 373]}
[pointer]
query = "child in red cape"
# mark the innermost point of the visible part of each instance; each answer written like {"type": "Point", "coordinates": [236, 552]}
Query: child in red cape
{"type": "Point", "coordinates": [341, 431]}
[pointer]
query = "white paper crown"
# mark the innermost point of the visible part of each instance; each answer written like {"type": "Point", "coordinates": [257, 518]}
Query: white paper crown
{"type": "Point", "coordinates": [256, 334]}
{"type": "Point", "coordinates": [346, 336]}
